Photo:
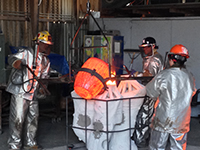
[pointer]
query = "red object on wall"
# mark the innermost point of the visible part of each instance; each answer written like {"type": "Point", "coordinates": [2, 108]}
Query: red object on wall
{"type": "Point", "coordinates": [88, 85]}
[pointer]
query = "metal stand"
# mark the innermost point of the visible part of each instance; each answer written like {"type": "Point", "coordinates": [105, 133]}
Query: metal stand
{"type": "Point", "coordinates": [195, 101]}
{"type": "Point", "coordinates": [107, 45]}
{"type": "Point", "coordinates": [81, 146]}
{"type": "Point", "coordinates": [0, 111]}
{"type": "Point", "coordinates": [77, 146]}
{"type": "Point", "coordinates": [67, 130]}
{"type": "Point", "coordinates": [2, 88]}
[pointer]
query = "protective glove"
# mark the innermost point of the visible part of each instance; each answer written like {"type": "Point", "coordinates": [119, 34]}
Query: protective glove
{"type": "Point", "coordinates": [41, 94]}
{"type": "Point", "coordinates": [142, 74]}
{"type": "Point", "coordinates": [147, 73]}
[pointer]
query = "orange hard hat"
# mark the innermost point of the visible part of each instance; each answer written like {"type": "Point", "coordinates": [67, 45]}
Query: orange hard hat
{"type": "Point", "coordinates": [179, 50]}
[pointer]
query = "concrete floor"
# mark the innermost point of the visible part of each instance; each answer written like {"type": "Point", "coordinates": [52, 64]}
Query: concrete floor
{"type": "Point", "coordinates": [52, 135]}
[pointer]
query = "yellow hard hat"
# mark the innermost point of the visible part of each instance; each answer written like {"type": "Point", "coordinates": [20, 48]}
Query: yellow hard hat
{"type": "Point", "coordinates": [44, 37]}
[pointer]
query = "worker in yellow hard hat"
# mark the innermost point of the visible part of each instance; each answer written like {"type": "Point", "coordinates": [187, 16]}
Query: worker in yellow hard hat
{"type": "Point", "coordinates": [24, 89]}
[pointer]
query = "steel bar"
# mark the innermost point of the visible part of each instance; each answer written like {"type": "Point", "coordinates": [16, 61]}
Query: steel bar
{"type": "Point", "coordinates": [88, 47]}
{"type": "Point", "coordinates": [40, 83]}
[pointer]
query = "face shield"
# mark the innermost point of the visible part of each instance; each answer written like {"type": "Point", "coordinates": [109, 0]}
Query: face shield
{"type": "Point", "coordinates": [178, 59]}
{"type": "Point", "coordinates": [166, 61]}
{"type": "Point", "coordinates": [44, 48]}
{"type": "Point", "coordinates": [146, 50]}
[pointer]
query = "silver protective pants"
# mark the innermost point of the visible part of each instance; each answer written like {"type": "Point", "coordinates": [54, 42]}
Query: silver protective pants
{"type": "Point", "coordinates": [142, 131]}
{"type": "Point", "coordinates": [167, 141]}
{"type": "Point", "coordinates": [23, 122]}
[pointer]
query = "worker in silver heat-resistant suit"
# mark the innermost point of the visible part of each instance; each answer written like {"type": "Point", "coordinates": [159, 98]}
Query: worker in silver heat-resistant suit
{"type": "Point", "coordinates": [24, 113]}
{"type": "Point", "coordinates": [152, 64]}
{"type": "Point", "coordinates": [152, 60]}
{"type": "Point", "coordinates": [174, 87]}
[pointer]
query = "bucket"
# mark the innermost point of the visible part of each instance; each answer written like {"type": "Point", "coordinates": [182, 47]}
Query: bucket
{"type": "Point", "coordinates": [88, 82]}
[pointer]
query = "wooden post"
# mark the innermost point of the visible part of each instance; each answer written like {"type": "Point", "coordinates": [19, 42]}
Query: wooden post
{"type": "Point", "coordinates": [34, 17]}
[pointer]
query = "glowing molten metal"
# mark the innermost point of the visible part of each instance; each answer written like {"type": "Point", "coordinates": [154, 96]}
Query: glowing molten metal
{"type": "Point", "coordinates": [88, 84]}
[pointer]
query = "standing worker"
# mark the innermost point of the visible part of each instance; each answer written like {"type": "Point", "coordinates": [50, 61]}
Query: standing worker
{"type": "Point", "coordinates": [24, 113]}
{"type": "Point", "coordinates": [152, 64]}
{"type": "Point", "coordinates": [152, 60]}
{"type": "Point", "coordinates": [174, 87]}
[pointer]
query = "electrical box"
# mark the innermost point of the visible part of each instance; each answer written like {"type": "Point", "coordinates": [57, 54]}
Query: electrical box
{"type": "Point", "coordinates": [4, 69]}
{"type": "Point", "coordinates": [111, 52]}
{"type": "Point", "coordinates": [2, 58]}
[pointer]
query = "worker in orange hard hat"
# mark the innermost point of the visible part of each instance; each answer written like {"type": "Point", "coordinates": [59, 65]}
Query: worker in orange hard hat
{"type": "Point", "coordinates": [174, 87]}
{"type": "Point", "coordinates": [25, 89]}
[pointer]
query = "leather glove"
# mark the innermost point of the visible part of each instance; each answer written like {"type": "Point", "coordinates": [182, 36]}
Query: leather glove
{"type": "Point", "coordinates": [147, 73]}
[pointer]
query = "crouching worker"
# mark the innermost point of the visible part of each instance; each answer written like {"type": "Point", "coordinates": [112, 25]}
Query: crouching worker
{"type": "Point", "coordinates": [174, 87]}
{"type": "Point", "coordinates": [24, 113]}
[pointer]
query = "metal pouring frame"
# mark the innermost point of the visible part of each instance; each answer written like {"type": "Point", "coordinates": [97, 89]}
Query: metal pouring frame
{"type": "Point", "coordinates": [130, 77]}
{"type": "Point", "coordinates": [83, 147]}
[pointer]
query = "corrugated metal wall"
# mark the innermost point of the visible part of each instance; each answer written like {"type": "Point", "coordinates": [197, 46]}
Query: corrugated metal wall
{"type": "Point", "coordinates": [56, 16]}
{"type": "Point", "coordinates": [13, 22]}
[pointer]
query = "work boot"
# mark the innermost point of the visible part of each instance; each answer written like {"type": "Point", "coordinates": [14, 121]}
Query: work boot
{"type": "Point", "coordinates": [35, 147]}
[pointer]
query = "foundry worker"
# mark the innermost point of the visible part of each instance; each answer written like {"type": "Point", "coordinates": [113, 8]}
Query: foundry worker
{"type": "Point", "coordinates": [152, 64]}
{"type": "Point", "coordinates": [152, 60]}
{"type": "Point", "coordinates": [174, 87]}
{"type": "Point", "coordinates": [24, 113]}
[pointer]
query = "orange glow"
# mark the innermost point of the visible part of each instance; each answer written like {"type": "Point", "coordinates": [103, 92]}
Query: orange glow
{"type": "Point", "coordinates": [111, 82]}
{"type": "Point", "coordinates": [113, 73]}
{"type": "Point", "coordinates": [88, 86]}
{"type": "Point", "coordinates": [184, 146]}
{"type": "Point", "coordinates": [180, 137]}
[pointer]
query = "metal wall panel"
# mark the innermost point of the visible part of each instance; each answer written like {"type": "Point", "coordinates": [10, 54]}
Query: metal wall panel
{"type": "Point", "coordinates": [15, 18]}
{"type": "Point", "coordinates": [56, 16]}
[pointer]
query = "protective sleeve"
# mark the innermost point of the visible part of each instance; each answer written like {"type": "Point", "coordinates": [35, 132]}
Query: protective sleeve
{"type": "Point", "coordinates": [155, 66]}
{"type": "Point", "coordinates": [153, 88]}
{"type": "Point", "coordinates": [14, 57]}
{"type": "Point", "coordinates": [45, 69]}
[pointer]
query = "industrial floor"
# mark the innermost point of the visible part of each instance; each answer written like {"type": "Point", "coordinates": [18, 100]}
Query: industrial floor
{"type": "Point", "coordinates": [52, 133]}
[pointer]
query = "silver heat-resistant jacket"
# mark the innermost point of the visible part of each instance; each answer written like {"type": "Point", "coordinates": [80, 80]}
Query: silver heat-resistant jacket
{"type": "Point", "coordinates": [174, 87]}
{"type": "Point", "coordinates": [154, 64]}
{"type": "Point", "coordinates": [17, 82]}
{"type": "Point", "coordinates": [24, 111]}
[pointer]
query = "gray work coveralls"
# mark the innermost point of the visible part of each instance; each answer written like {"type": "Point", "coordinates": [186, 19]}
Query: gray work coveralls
{"type": "Point", "coordinates": [154, 64]}
{"type": "Point", "coordinates": [174, 87]}
{"type": "Point", "coordinates": [23, 119]}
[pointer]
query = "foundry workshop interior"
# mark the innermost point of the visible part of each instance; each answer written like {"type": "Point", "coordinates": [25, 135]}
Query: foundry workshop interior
{"type": "Point", "coordinates": [110, 74]}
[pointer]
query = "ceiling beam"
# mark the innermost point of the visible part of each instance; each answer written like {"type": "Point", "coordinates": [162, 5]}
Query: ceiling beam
{"type": "Point", "coordinates": [186, 12]}
{"type": "Point", "coordinates": [18, 18]}
{"type": "Point", "coordinates": [155, 10]}
{"type": "Point", "coordinates": [12, 18]}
